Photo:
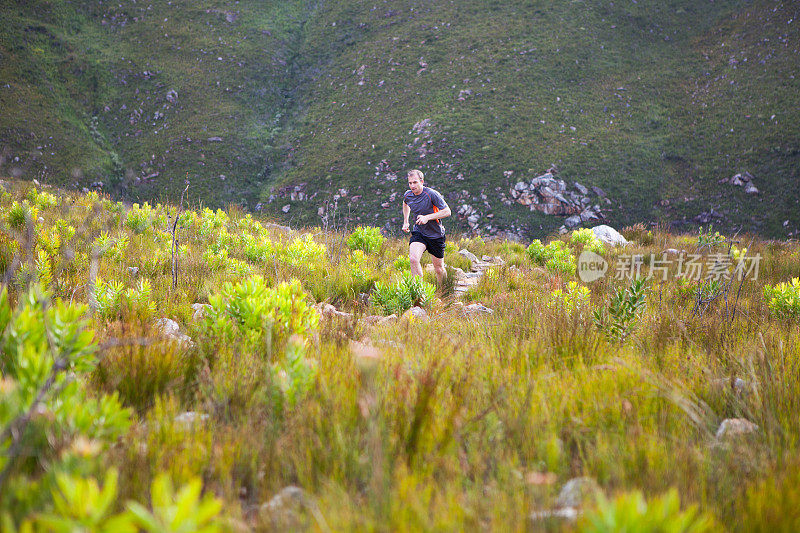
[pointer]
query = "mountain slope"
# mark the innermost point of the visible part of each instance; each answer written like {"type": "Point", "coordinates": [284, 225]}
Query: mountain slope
{"type": "Point", "coordinates": [317, 103]}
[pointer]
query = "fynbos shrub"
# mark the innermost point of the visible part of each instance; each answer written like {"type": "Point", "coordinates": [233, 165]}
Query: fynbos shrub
{"type": "Point", "coordinates": [556, 256]}
{"type": "Point", "coordinates": [402, 295]}
{"type": "Point", "coordinates": [784, 299]}
{"type": "Point", "coordinates": [258, 314]}
{"type": "Point", "coordinates": [624, 309]}
{"type": "Point", "coordinates": [366, 239]}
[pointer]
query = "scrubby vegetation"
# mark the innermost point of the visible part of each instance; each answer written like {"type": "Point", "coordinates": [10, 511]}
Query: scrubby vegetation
{"type": "Point", "coordinates": [111, 421]}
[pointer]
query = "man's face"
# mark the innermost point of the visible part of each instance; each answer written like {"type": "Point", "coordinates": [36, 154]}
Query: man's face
{"type": "Point", "coordinates": [415, 184]}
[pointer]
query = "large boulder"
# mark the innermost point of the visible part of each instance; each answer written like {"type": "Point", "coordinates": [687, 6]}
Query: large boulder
{"type": "Point", "coordinates": [608, 235]}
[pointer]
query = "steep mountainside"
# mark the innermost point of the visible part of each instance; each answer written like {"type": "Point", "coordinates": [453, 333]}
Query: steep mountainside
{"type": "Point", "coordinates": [313, 111]}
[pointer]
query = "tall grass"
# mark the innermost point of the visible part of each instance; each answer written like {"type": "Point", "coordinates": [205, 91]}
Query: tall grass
{"type": "Point", "coordinates": [463, 422]}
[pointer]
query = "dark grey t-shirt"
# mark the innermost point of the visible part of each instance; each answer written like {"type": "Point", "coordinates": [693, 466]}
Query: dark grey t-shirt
{"type": "Point", "coordinates": [423, 204]}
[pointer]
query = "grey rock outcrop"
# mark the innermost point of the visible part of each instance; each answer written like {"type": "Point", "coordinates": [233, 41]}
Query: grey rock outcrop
{"type": "Point", "coordinates": [608, 235]}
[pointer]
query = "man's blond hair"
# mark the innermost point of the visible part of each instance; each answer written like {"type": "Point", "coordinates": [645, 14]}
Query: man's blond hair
{"type": "Point", "coordinates": [417, 173]}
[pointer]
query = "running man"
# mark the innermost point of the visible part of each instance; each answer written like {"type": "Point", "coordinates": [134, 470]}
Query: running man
{"type": "Point", "coordinates": [428, 208]}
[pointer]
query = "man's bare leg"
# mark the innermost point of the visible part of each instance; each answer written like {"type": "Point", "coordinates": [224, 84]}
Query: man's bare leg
{"type": "Point", "coordinates": [415, 251]}
{"type": "Point", "coordinates": [438, 268]}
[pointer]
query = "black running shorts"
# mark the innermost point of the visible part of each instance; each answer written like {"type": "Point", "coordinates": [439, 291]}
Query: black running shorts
{"type": "Point", "coordinates": [435, 247]}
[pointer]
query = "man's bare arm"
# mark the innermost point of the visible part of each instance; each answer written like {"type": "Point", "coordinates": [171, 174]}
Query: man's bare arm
{"type": "Point", "coordinates": [406, 213]}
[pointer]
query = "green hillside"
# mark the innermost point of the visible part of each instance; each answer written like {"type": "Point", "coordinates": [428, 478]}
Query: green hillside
{"type": "Point", "coordinates": [653, 102]}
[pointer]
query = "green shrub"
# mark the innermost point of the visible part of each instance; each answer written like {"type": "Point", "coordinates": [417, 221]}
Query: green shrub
{"type": "Point", "coordinates": [19, 213]}
{"type": "Point", "coordinates": [623, 312]}
{"type": "Point", "coordinates": [45, 349]}
{"type": "Point", "coordinates": [556, 256]}
{"type": "Point", "coordinates": [403, 262]}
{"type": "Point", "coordinates": [367, 239]}
{"type": "Point", "coordinates": [139, 218]}
{"type": "Point", "coordinates": [588, 240]}
{"type": "Point", "coordinates": [631, 512]}
{"type": "Point", "coordinates": [574, 298]}
{"type": "Point", "coordinates": [209, 222]}
{"type": "Point", "coordinates": [81, 505]}
{"type": "Point", "coordinates": [303, 251]}
{"type": "Point", "coordinates": [41, 199]}
{"type": "Point", "coordinates": [783, 299]}
{"type": "Point", "coordinates": [293, 375]}
{"type": "Point", "coordinates": [258, 314]}
{"type": "Point", "coordinates": [708, 239]}
{"type": "Point", "coordinates": [177, 511]}
{"type": "Point", "coordinates": [582, 236]}
{"type": "Point", "coordinates": [408, 291]}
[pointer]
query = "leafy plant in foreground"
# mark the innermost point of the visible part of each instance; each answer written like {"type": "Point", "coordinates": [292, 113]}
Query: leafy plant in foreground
{"type": "Point", "coordinates": [294, 375]}
{"type": "Point", "coordinates": [177, 511]}
{"type": "Point", "coordinates": [626, 305]}
{"type": "Point", "coordinates": [45, 409]}
{"type": "Point", "coordinates": [81, 505]}
{"type": "Point", "coordinates": [631, 512]}
{"type": "Point", "coordinates": [408, 291]}
{"type": "Point", "coordinates": [20, 213]}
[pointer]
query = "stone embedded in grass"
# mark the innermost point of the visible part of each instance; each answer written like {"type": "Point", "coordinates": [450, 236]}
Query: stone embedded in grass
{"type": "Point", "coordinates": [578, 491]}
{"type": "Point", "coordinates": [477, 309]}
{"type": "Point", "coordinates": [365, 350]}
{"type": "Point", "coordinates": [386, 320]}
{"type": "Point", "coordinates": [735, 427]}
{"type": "Point", "coordinates": [199, 311]}
{"type": "Point", "coordinates": [469, 255]}
{"type": "Point", "coordinates": [567, 513]}
{"type": "Point", "coordinates": [189, 418]}
{"type": "Point", "coordinates": [540, 478]}
{"type": "Point", "coordinates": [370, 320]}
{"type": "Point", "coordinates": [285, 229]}
{"type": "Point", "coordinates": [416, 313]}
{"type": "Point", "coordinates": [284, 508]}
{"type": "Point", "coordinates": [169, 328]}
{"type": "Point", "coordinates": [330, 312]}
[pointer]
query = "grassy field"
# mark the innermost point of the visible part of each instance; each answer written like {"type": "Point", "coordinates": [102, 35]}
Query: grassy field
{"type": "Point", "coordinates": [459, 421]}
{"type": "Point", "coordinates": [652, 102]}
